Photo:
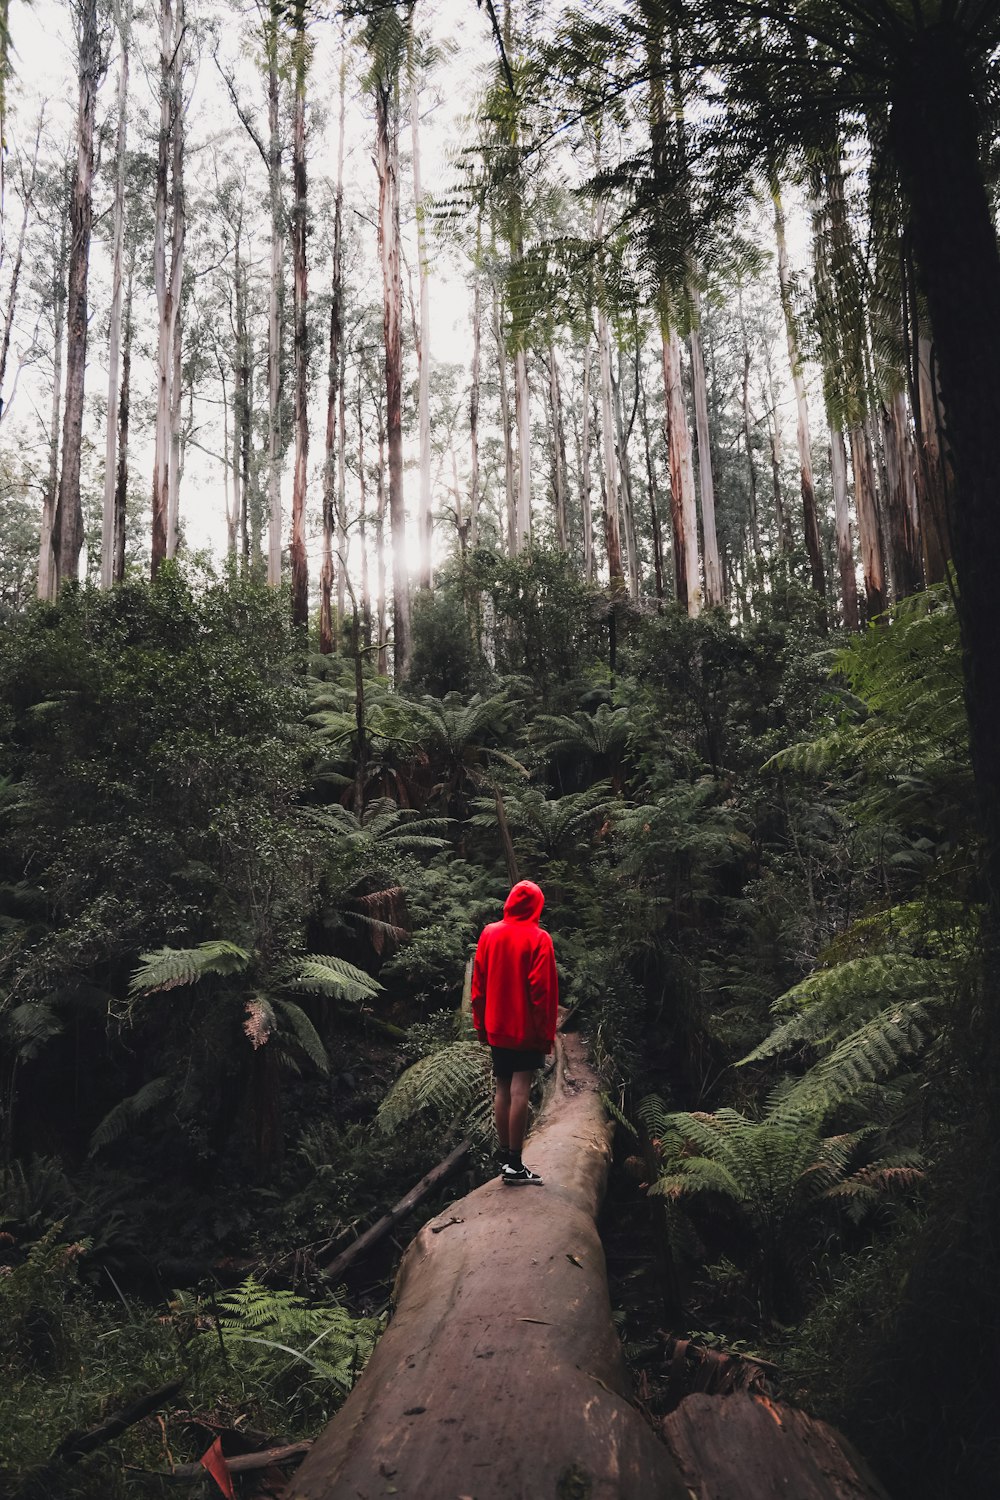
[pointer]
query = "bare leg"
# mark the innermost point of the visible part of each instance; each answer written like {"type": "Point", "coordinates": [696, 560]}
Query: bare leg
{"type": "Point", "coordinates": [501, 1112]}
{"type": "Point", "coordinates": [517, 1120]}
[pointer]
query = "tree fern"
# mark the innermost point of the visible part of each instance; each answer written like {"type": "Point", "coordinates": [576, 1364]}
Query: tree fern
{"type": "Point", "coordinates": [324, 974]}
{"type": "Point", "coordinates": [119, 1120]}
{"type": "Point", "coordinates": [828, 1006]}
{"type": "Point", "coordinates": [298, 1024]}
{"type": "Point", "coordinates": [871, 1053]}
{"type": "Point", "coordinates": [450, 1083]}
{"type": "Point", "coordinates": [168, 968]}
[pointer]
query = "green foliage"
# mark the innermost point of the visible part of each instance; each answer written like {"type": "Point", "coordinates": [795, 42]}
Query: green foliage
{"type": "Point", "coordinates": [169, 967]}
{"type": "Point", "coordinates": [452, 1083]}
{"type": "Point", "coordinates": [268, 1334]}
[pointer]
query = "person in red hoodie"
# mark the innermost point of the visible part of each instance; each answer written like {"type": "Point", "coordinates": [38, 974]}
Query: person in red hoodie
{"type": "Point", "coordinates": [515, 994]}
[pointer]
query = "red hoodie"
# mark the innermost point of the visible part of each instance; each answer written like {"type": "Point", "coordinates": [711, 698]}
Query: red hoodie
{"type": "Point", "coordinates": [515, 991]}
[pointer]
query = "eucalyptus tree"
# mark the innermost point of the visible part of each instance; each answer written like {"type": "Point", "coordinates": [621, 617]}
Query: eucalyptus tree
{"type": "Point", "coordinates": [418, 58]}
{"type": "Point", "coordinates": [168, 272]}
{"type": "Point", "coordinates": [300, 571]}
{"type": "Point", "coordinates": [109, 530]}
{"type": "Point", "coordinates": [67, 520]}
{"type": "Point", "coordinates": [333, 459]}
{"type": "Point", "coordinates": [384, 36]}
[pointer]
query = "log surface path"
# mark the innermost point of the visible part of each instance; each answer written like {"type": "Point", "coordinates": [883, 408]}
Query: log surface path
{"type": "Point", "coordinates": [500, 1375]}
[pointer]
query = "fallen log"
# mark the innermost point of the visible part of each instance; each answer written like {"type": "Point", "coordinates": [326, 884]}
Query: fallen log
{"type": "Point", "coordinates": [406, 1204]}
{"type": "Point", "coordinates": [743, 1447]}
{"type": "Point", "coordinates": [500, 1375]}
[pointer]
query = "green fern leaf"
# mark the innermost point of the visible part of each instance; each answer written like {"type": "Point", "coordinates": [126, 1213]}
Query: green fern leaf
{"type": "Point", "coordinates": [124, 1115]}
{"type": "Point", "coordinates": [167, 968]}
{"type": "Point", "coordinates": [323, 974]}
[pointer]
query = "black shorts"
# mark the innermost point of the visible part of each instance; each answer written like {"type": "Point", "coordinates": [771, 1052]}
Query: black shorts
{"type": "Point", "coordinates": [508, 1060]}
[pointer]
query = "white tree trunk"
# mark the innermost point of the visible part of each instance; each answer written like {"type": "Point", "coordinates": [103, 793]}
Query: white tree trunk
{"type": "Point", "coordinates": [387, 165]}
{"type": "Point", "coordinates": [845, 543]}
{"type": "Point", "coordinates": [178, 230]}
{"type": "Point", "coordinates": [714, 592]}
{"type": "Point", "coordinates": [811, 524]}
{"type": "Point", "coordinates": [683, 507]}
{"type": "Point", "coordinates": [124, 24]}
{"type": "Point", "coordinates": [426, 513]}
{"type": "Point", "coordinates": [585, 478]}
{"type": "Point", "coordinates": [477, 318]}
{"type": "Point", "coordinates": [274, 533]}
{"type": "Point", "coordinates": [46, 560]}
{"type": "Point", "coordinates": [522, 403]}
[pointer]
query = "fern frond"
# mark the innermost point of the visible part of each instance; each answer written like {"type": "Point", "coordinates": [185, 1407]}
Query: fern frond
{"type": "Point", "coordinates": [831, 1002]}
{"type": "Point", "coordinates": [124, 1115]}
{"type": "Point", "coordinates": [167, 968]}
{"type": "Point", "coordinates": [323, 974]}
{"type": "Point", "coordinates": [872, 1052]}
{"type": "Point", "coordinates": [304, 1032]}
{"type": "Point", "coordinates": [453, 1082]}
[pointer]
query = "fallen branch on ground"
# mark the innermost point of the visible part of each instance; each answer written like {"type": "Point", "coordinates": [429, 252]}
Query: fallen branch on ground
{"type": "Point", "coordinates": [381, 1228]}
{"type": "Point", "coordinates": [77, 1445]}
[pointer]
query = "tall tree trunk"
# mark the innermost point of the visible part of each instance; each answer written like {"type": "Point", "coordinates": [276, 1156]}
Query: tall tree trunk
{"type": "Point", "coordinates": [426, 513]}
{"type": "Point", "coordinates": [845, 544]}
{"type": "Point", "coordinates": [522, 406]}
{"type": "Point", "coordinates": [177, 238]}
{"type": "Point", "coordinates": [241, 409]}
{"type": "Point", "coordinates": [558, 447]}
{"type": "Point", "coordinates": [342, 542]}
{"type": "Point", "coordinates": [901, 498]}
{"type": "Point", "coordinates": [654, 518]}
{"type": "Point", "coordinates": [387, 163]}
{"type": "Point", "coordinates": [274, 304]}
{"type": "Point", "coordinates": [383, 652]}
{"type": "Point", "coordinates": [811, 523]}
{"type": "Point", "coordinates": [333, 376]}
{"type": "Point", "coordinates": [587, 514]}
{"type": "Point", "coordinates": [933, 470]}
{"type": "Point", "coordinates": [714, 592]}
{"type": "Point", "coordinates": [477, 317]}
{"type": "Point", "coordinates": [300, 566]}
{"type": "Point", "coordinates": [751, 468]}
{"type": "Point", "coordinates": [366, 593]}
{"type": "Point", "coordinates": [683, 510]}
{"type": "Point", "coordinates": [108, 529]}
{"type": "Point", "coordinates": [47, 575]}
{"type": "Point", "coordinates": [506, 429]}
{"type": "Point", "coordinates": [625, 483]}
{"type": "Point", "coordinates": [166, 277]}
{"type": "Point", "coordinates": [866, 501]}
{"type": "Point", "coordinates": [67, 523]}
{"type": "Point", "coordinates": [124, 402]}
{"type": "Point", "coordinates": [612, 524]}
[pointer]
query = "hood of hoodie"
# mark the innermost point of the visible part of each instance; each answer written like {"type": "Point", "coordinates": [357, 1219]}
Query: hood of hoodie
{"type": "Point", "coordinates": [525, 902]}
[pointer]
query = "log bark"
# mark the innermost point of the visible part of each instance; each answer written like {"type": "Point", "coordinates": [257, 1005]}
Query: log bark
{"type": "Point", "coordinates": [503, 1325]}
{"type": "Point", "coordinates": [744, 1447]}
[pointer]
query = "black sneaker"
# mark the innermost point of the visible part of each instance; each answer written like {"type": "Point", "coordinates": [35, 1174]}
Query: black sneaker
{"type": "Point", "coordinates": [518, 1176]}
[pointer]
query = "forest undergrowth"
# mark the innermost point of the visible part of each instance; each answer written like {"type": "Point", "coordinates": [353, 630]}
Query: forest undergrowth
{"type": "Point", "coordinates": [239, 886]}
